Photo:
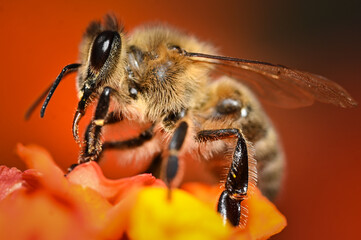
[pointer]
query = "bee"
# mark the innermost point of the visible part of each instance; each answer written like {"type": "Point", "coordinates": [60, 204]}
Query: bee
{"type": "Point", "coordinates": [189, 106]}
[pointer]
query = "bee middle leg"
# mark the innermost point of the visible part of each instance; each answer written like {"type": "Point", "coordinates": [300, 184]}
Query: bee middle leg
{"type": "Point", "coordinates": [236, 186]}
{"type": "Point", "coordinates": [138, 141]}
{"type": "Point", "coordinates": [175, 145]}
{"type": "Point", "coordinates": [130, 143]}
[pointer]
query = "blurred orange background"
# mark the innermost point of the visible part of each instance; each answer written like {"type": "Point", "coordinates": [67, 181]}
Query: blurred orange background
{"type": "Point", "coordinates": [321, 194]}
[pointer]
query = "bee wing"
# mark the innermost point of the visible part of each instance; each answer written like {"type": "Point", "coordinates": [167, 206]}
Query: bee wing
{"type": "Point", "coordinates": [280, 85]}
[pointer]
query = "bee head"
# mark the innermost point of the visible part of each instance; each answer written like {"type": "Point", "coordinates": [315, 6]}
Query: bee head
{"type": "Point", "coordinates": [100, 54]}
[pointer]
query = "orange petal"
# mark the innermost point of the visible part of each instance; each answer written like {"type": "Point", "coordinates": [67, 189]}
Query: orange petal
{"type": "Point", "coordinates": [154, 216]}
{"type": "Point", "coordinates": [38, 216]}
{"type": "Point", "coordinates": [79, 205]}
{"type": "Point", "coordinates": [85, 192]}
{"type": "Point", "coordinates": [90, 175]}
{"type": "Point", "coordinates": [117, 218]}
{"type": "Point", "coordinates": [264, 219]}
{"type": "Point", "coordinates": [39, 159]}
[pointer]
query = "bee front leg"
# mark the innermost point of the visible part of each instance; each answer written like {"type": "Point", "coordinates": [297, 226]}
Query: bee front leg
{"type": "Point", "coordinates": [93, 144]}
{"type": "Point", "coordinates": [236, 186]}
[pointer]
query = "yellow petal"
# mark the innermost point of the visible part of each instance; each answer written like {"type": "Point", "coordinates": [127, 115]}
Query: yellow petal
{"type": "Point", "coordinates": [183, 217]}
{"type": "Point", "coordinates": [264, 220]}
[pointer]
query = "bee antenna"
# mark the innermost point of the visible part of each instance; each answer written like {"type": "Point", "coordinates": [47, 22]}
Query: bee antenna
{"type": "Point", "coordinates": [36, 103]}
{"type": "Point", "coordinates": [67, 69]}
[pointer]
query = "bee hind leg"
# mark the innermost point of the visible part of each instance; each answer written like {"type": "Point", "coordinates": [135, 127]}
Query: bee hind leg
{"type": "Point", "coordinates": [236, 186]}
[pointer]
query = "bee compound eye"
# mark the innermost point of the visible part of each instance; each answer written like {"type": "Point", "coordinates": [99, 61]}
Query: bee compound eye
{"type": "Point", "coordinates": [101, 48]}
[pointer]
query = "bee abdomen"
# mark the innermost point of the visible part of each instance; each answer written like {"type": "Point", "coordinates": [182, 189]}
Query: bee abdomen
{"type": "Point", "coordinates": [270, 164]}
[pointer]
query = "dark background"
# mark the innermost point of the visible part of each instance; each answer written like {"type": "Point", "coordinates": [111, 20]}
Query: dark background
{"type": "Point", "coordinates": [321, 194]}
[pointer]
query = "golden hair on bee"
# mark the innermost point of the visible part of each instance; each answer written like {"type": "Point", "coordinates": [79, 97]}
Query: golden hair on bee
{"type": "Point", "coordinates": [156, 93]}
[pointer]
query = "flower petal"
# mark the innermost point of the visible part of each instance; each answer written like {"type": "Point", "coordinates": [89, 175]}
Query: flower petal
{"type": "Point", "coordinates": [37, 158]}
{"type": "Point", "coordinates": [154, 216]}
{"type": "Point", "coordinates": [87, 205]}
{"type": "Point", "coordinates": [90, 175]}
{"type": "Point", "coordinates": [37, 216]}
{"type": "Point", "coordinates": [264, 219]}
{"type": "Point", "coordinates": [51, 194]}
{"type": "Point", "coordinates": [10, 180]}
{"type": "Point", "coordinates": [204, 192]}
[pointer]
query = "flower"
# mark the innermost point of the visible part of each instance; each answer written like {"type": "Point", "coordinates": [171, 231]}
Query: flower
{"type": "Point", "coordinates": [40, 203]}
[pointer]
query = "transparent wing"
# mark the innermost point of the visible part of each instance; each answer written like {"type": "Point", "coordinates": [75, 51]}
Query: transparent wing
{"type": "Point", "coordinates": [280, 85]}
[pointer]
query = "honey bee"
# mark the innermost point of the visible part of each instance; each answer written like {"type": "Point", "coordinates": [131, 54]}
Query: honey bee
{"type": "Point", "coordinates": [168, 84]}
